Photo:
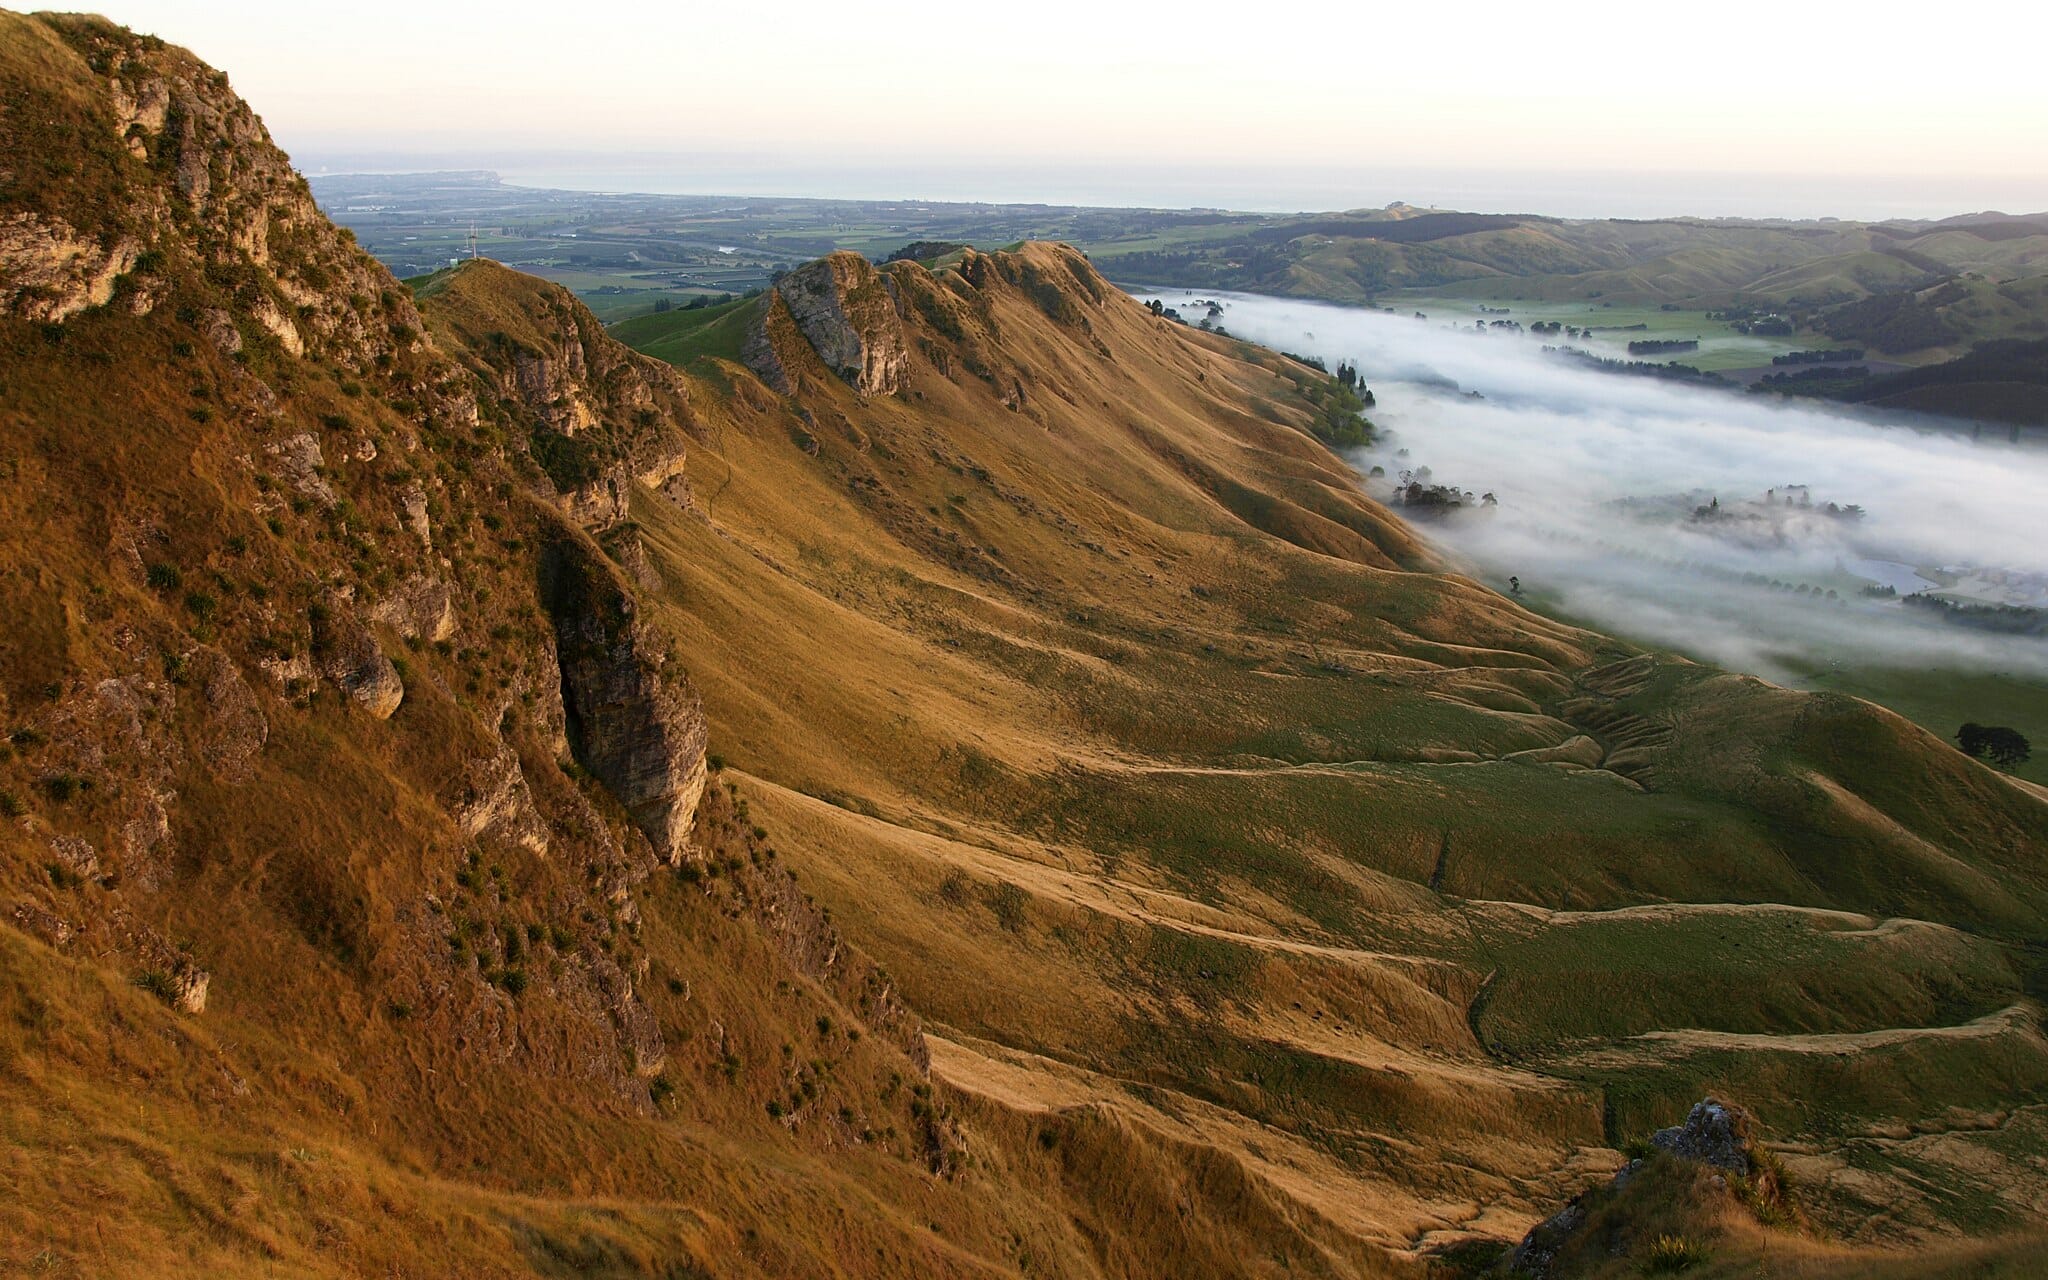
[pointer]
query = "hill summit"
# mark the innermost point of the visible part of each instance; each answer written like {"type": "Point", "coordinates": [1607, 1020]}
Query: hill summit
{"type": "Point", "coordinates": [934, 769]}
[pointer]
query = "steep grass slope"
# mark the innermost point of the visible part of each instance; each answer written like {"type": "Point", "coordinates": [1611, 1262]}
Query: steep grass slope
{"type": "Point", "coordinates": [1130, 793]}
{"type": "Point", "coordinates": [368, 906]}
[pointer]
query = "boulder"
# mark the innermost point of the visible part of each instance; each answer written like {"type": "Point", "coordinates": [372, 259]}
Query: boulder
{"type": "Point", "coordinates": [349, 655]}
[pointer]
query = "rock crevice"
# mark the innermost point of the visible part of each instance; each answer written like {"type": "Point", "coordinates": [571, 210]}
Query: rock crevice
{"type": "Point", "coordinates": [638, 728]}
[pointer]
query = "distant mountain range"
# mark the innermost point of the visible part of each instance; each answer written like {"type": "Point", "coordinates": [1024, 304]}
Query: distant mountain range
{"type": "Point", "coordinates": [1897, 287]}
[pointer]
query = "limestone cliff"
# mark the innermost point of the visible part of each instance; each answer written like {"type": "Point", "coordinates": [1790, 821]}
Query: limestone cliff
{"type": "Point", "coordinates": [630, 720]}
{"type": "Point", "coordinates": [840, 311]}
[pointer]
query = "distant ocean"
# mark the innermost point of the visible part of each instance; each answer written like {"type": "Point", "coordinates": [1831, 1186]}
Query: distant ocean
{"type": "Point", "coordinates": [1280, 190]}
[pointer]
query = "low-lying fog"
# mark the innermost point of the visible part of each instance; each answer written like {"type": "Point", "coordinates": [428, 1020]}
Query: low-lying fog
{"type": "Point", "coordinates": [1737, 527]}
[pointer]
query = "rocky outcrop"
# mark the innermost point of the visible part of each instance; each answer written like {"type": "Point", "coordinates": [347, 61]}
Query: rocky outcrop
{"type": "Point", "coordinates": [420, 608]}
{"type": "Point", "coordinates": [495, 801]}
{"type": "Point", "coordinates": [637, 727]}
{"type": "Point", "coordinates": [33, 917]}
{"type": "Point", "coordinates": [49, 272]}
{"type": "Point", "coordinates": [349, 655]}
{"type": "Point", "coordinates": [846, 311]}
{"type": "Point", "coordinates": [636, 1025]}
{"type": "Point", "coordinates": [170, 171]}
{"type": "Point", "coordinates": [1715, 1132]}
{"type": "Point", "coordinates": [601, 416]}
{"type": "Point", "coordinates": [169, 973]}
{"type": "Point", "coordinates": [301, 462]}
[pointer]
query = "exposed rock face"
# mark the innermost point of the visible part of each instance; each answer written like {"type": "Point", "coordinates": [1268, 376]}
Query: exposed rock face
{"type": "Point", "coordinates": [300, 460]}
{"type": "Point", "coordinates": [496, 801]}
{"type": "Point", "coordinates": [846, 311]}
{"type": "Point", "coordinates": [603, 416]}
{"type": "Point", "coordinates": [1715, 1132]}
{"type": "Point", "coordinates": [350, 656]}
{"type": "Point", "coordinates": [48, 271]}
{"type": "Point", "coordinates": [637, 1027]}
{"type": "Point", "coordinates": [421, 608]}
{"type": "Point", "coordinates": [640, 730]}
{"type": "Point", "coordinates": [413, 502]}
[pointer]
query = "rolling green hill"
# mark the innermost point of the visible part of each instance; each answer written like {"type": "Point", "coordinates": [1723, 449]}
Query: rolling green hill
{"type": "Point", "coordinates": [1920, 290]}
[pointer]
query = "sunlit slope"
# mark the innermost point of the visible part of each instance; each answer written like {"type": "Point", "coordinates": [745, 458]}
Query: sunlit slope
{"type": "Point", "coordinates": [1138, 788]}
{"type": "Point", "coordinates": [362, 911]}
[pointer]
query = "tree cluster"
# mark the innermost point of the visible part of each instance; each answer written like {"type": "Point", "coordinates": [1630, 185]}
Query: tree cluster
{"type": "Point", "coordinates": [2007, 748]}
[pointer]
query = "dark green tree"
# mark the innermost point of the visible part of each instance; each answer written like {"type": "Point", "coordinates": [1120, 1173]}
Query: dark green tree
{"type": "Point", "coordinates": [2005, 747]}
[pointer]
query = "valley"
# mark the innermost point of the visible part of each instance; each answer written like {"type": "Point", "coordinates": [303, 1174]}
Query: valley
{"type": "Point", "coordinates": [1764, 536]}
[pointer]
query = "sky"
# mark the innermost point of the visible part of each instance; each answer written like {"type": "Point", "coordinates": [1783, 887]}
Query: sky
{"type": "Point", "coordinates": [1597, 479]}
{"type": "Point", "coordinates": [1578, 109]}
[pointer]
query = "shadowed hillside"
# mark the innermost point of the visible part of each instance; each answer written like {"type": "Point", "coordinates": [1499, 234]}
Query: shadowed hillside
{"type": "Point", "coordinates": [948, 777]}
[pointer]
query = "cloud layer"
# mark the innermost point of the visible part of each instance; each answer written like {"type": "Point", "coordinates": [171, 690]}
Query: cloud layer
{"type": "Point", "coordinates": [1599, 480]}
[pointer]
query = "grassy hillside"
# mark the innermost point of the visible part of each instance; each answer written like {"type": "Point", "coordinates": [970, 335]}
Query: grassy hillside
{"type": "Point", "coordinates": [1211, 780]}
{"type": "Point", "coordinates": [681, 337]}
{"type": "Point", "coordinates": [940, 772]}
{"type": "Point", "coordinates": [1922, 291]}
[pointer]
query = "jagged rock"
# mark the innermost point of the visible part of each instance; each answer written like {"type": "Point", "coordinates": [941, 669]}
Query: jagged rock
{"type": "Point", "coordinates": [413, 502]}
{"type": "Point", "coordinates": [44, 923]}
{"type": "Point", "coordinates": [639, 730]}
{"type": "Point", "coordinates": [623, 416]}
{"type": "Point", "coordinates": [629, 551]}
{"type": "Point", "coordinates": [1715, 1132]}
{"type": "Point", "coordinates": [75, 855]}
{"type": "Point", "coordinates": [350, 656]}
{"type": "Point", "coordinates": [146, 835]}
{"type": "Point", "coordinates": [188, 988]}
{"type": "Point", "coordinates": [636, 1025]}
{"type": "Point", "coordinates": [221, 331]}
{"type": "Point", "coordinates": [233, 729]}
{"type": "Point", "coordinates": [50, 271]}
{"type": "Point", "coordinates": [301, 461]}
{"type": "Point", "coordinates": [422, 608]}
{"type": "Point", "coordinates": [601, 503]}
{"type": "Point", "coordinates": [846, 311]}
{"type": "Point", "coordinates": [496, 801]}
{"type": "Point", "coordinates": [283, 671]}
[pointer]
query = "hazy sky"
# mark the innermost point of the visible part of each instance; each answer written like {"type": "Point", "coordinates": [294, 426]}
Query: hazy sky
{"type": "Point", "coordinates": [1648, 102]}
